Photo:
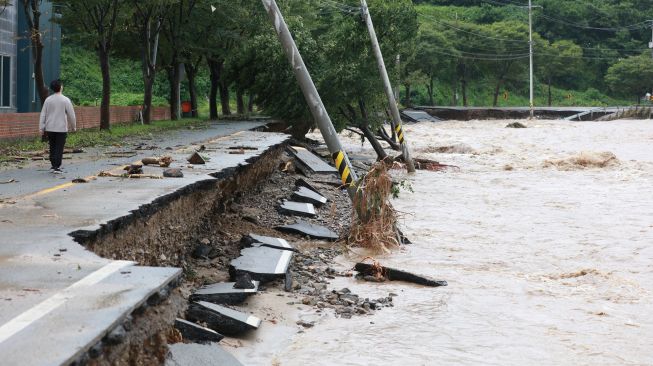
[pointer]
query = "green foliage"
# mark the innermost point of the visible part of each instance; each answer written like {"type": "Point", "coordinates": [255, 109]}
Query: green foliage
{"type": "Point", "coordinates": [631, 76]}
{"type": "Point", "coordinates": [80, 72]}
{"type": "Point", "coordinates": [479, 44]}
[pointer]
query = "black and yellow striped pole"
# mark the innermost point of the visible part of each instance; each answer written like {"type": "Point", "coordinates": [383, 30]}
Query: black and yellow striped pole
{"type": "Point", "coordinates": [313, 99]}
{"type": "Point", "coordinates": [396, 117]}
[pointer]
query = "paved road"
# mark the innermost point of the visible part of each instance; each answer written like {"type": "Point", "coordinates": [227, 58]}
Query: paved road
{"type": "Point", "coordinates": [35, 176]}
{"type": "Point", "coordinates": [55, 296]}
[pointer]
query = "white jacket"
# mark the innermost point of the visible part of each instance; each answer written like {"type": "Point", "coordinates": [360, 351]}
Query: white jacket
{"type": "Point", "coordinates": [57, 113]}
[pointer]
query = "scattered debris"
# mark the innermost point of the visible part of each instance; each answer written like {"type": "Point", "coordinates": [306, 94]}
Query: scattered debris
{"type": "Point", "coordinates": [237, 152]}
{"type": "Point", "coordinates": [253, 240]}
{"type": "Point", "coordinates": [310, 163]}
{"type": "Point", "coordinates": [374, 219]}
{"type": "Point", "coordinates": [516, 125]}
{"type": "Point", "coordinates": [134, 169]}
{"type": "Point", "coordinates": [242, 148]}
{"type": "Point", "coordinates": [126, 175]}
{"type": "Point", "coordinates": [83, 180]}
{"type": "Point", "coordinates": [425, 164]}
{"type": "Point", "coordinates": [196, 159]}
{"type": "Point", "coordinates": [381, 273]}
{"type": "Point", "coordinates": [297, 209]}
{"type": "Point", "coordinates": [262, 263]}
{"type": "Point", "coordinates": [222, 319]}
{"type": "Point", "coordinates": [163, 161]}
{"type": "Point", "coordinates": [303, 194]}
{"type": "Point", "coordinates": [224, 293]}
{"type": "Point", "coordinates": [122, 154]}
{"type": "Point", "coordinates": [303, 183]}
{"type": "Point", "coordinates": [173, 173]}
{"type": "Point", "coordinates": [197, 333]}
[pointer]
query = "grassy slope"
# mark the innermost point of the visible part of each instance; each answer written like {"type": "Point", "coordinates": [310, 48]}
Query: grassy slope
{"type": "Point", "coordinates": [80, 71]}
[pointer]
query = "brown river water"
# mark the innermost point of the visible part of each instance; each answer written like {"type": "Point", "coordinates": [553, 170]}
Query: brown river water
{"type": "Point", "coordinates": [545, 235]}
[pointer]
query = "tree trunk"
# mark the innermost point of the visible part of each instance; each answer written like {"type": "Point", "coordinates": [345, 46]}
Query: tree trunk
{"type": "Point", "coordinates": [495, 100]}
{"type": "Point", "coordinates": [392, 142]}
{"type": "Point", "coordinates": [174, 78]}
{"type": "Point", "coordinates": [105, 110]}
{"type": "Point", "coordinates": [240, 102]}
{"type": "Point", "coordinates": [224, 92]}
{"type": "Point", "coordinates": [250, 103]}
{"type": "Point", "coordinates": [408, 99]}
{"type": "Point", "coordinates": [549, 92]}
{"type": "Point", "coordinates": [365, 127]}
{"type": "Point", "coordinates": [454, 89]}
{"type": "Point", "coordinates": [463, 88]}
{"type": "Point", "coordinates": [431, 100]}
{"type": "Point", "coordinates": [191, 72]}
{"type": "Point", "coordinates": [33, 17]}
{"type": "Point", "coordinates": [147, 100]}
{"type": "Point", "coordinates": [214, 69]}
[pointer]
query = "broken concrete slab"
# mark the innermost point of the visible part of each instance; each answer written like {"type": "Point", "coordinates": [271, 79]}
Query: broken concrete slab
{"type": "Point", "coordinates": [253, 240]}
{"type": "Point", "coordinates": [311, 161]}
{"type": "Point", "coordinates": [222, 319]}
{"type": "Point", "coordinates": [197, 333]}
{"type": "Point", "coordinates": [196, 159]}
{"type": "Point", "coordinates": [297, 209]}
{"type": "Point", "coordinates": [303, 194]}
{"type": "Point", "coordinates": [310, 230]}
{"type": "Point", "coordinates": [224, 293]}
{"type": "Point", "coordinates": [412, 115]}
{"type": "Point", "coordinates": [262, 263]}
{"type": "Point", "coordinates": [392, 274]}
{"type": "Point", "coordinates": [302, 183]}
{"type": "Point", "coordinates": [182, 354]}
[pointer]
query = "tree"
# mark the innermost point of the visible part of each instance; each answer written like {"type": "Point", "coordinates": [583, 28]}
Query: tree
{"type": "Point", "coordinates": [431, 57]}
{"type": "Point", "coordinates": [176, 33]}
{"type": "Point", "coordinates": [98, 21]}
{"type": "Point", "coordinates": [148, 18]}
{"type": "Point", "coordinates": [33, 14]}
{"type": "Point", "coordinates": [558, 61]}
{"type": "Point", "coordinates": [631, 76]}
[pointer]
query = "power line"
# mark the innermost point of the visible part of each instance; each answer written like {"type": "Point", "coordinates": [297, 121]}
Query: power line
{"type": "Point", "coordinates": [635, 26]}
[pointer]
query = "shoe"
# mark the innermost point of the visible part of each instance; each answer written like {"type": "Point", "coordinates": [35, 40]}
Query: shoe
{"type": "Point", "coordinates": [57, 171]}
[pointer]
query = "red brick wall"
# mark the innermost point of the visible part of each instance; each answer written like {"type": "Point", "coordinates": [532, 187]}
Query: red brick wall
{"type": "Point", "coordinates": [16, 125]}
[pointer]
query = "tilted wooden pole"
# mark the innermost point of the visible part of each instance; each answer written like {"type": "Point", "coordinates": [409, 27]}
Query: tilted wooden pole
{"type": "Point", "coordinates": [396, 117]}
{"type": "Point", "coordinates": [313, 99]}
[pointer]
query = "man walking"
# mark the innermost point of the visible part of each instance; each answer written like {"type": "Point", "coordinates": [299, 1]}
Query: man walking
{"type": "Point", "coordinates": [56, 114]}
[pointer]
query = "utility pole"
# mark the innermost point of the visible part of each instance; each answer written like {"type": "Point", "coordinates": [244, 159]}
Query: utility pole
{"type": "Point", "coordinates": [313, 99]}
{"type": "Point", "coordinates": [410, 165]}
{"type": "Point", "coordinates": [530, 44]}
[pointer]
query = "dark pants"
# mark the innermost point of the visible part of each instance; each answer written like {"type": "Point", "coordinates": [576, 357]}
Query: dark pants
{"type": "Point", "coordinates": [57, 142]}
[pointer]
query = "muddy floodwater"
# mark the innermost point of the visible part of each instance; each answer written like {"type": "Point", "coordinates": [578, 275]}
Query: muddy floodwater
{"type": "Point", "coordinates": [545, 235]}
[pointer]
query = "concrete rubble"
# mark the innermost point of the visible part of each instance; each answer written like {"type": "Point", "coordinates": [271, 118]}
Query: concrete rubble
{"type": "Point", "coordinates": [197, 333]}
{"type": "Point", "coordinates": [222, 319]}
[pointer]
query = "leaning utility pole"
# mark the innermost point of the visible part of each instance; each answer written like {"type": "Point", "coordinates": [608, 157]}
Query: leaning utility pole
{"type": "Point", "coordinates": [313, 99]}
{"type": "Point", "coordinates": [530, 45]}
{"type": "Point", "coordinates": [388, 89]}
